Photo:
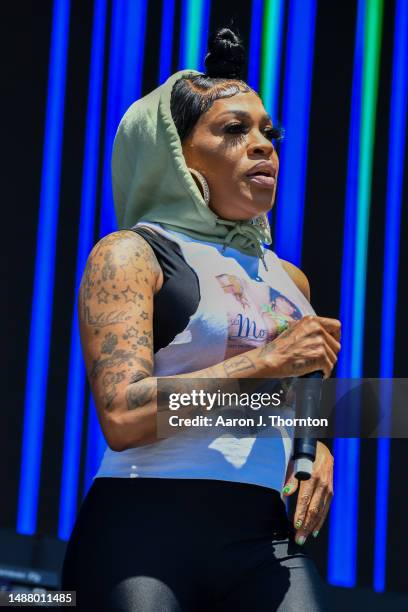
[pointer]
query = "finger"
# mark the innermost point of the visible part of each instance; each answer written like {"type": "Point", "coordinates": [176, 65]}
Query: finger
{"type": "Point", "coordinates": [291, 483]}
{"type": "Point", "coordinates": [332, 342]}
{"type": "Point", "coordinates": [332, 326]}
{"type": "Point", "coordinates": [325, 358]}
{"type": "Point", "coordinates": [313, 514]}
{"type": "Point", "coordinates": [305, 495]}
{"type": "Point", "coordinates": [323, 516]}
{"type": "Point", "coordinates": [291, 486]}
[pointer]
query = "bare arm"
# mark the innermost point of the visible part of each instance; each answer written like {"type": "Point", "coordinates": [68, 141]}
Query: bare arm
{"type": "Point", "coordinates": [116, 324]}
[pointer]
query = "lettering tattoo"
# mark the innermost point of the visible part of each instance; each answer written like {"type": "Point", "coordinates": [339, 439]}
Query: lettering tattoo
{"type": "Point", "coordinates": [106, 318]}
{"type": "Point", "coordinates": [238, 364]}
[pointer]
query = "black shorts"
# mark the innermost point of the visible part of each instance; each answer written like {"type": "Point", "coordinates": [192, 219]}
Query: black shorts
{"type": "Point", "coordinates": [172, 545]}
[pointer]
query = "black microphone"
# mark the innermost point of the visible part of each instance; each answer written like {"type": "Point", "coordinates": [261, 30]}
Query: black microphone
{"type": "Point", "coordinates": [307, 402]}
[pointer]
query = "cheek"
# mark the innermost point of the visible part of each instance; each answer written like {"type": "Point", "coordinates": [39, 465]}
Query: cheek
{"type": "Point", "coordinates": [223, 161]}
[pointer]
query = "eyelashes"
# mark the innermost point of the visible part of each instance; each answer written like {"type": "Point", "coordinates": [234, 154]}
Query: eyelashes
{"type": "Point", "coordinates": [238, 130]}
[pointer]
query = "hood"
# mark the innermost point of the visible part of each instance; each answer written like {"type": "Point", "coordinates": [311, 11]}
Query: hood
{"type": "Point", "coordinates": [151, 181]}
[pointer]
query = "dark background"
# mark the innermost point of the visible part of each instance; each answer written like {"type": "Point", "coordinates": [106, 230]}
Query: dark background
{"type": "Point", "coordinates": [28, 36]}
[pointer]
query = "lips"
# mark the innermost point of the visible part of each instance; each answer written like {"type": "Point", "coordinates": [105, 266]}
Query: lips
{"type": "Point", "coordinates": [263, 174]}
{"type": "Point", "coordinates": [262, 180]}
{"type": "Point", "coordinates": [263, 167]}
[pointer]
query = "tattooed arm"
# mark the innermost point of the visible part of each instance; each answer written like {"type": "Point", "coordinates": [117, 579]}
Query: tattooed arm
{"type": "Point", "coordinates": [115, 309]}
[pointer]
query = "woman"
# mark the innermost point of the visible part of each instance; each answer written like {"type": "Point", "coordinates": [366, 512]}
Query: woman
{"type": "Point", "coordinates": [193, 522]}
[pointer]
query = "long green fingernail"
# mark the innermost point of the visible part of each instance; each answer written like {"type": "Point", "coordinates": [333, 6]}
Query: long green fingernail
{"type": "Point", "coordinates": [315, 533]}
{"type": "Point", "coordinates": [298, 523]}
{"type": "Point", "coordinates": [286, 489]}
{"type": "Point", "coordinates": [300, 540]}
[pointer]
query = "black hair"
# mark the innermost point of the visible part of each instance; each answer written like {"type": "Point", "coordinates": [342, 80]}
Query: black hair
{"type": "Point", "coordinates": [224, 63]}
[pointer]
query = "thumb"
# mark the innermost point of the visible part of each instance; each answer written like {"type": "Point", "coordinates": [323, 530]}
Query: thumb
{"type": "Point", "coordinates": [291, 483]}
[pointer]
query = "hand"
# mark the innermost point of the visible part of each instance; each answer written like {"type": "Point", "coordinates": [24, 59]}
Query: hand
{"type": "Point", "coordinates": [314, 496]}
{"type": "Point", "coordinates": [310, 344]}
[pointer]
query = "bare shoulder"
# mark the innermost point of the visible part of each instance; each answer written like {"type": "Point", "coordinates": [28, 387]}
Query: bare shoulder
{"type": "Point", "coordinates": [123, 245]}
{"type": "Point", "coordinates": [298, 277]}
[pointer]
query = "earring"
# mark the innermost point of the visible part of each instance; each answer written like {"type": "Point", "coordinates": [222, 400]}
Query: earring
{"type": "Point", "coordinates": [203, 183]}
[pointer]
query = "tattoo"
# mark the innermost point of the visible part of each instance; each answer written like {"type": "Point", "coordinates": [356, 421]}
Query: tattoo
{"type": "Point", "coordinates": [140, 394]}
{"type": "Point", "coordinates": [109, 344]}
{"type": "Point", "coordinates": [299, 365]}
{"type": "Point", "coordinates": [131, 332]}
{"type": "Point", "coordinates": [109, 382]}
{"type": "Point", "coordinates": [109, 269]}
{"type": "Point", "coordinates": [102, 296]}
{"type": "Point", "coordinates": [133, 258]}
{"type": "Point", "coordinates": [106, 318]}
{"type": "Point", "coordinates": [238, 364]}
{"type": "Point", "coordinates": [138, 375]}
{"type": "Point", "coordinates": [118, 358]}
{"type": "Point", "coordinates": [270, 346]}
{"type": "Point", "coordinates": [130, 295]}
{"type": "Point", "coordinates": [145, 364]}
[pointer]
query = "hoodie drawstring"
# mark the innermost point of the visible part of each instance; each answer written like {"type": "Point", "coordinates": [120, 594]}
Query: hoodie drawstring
{"type": "Point", "coordinates": [251, 232]}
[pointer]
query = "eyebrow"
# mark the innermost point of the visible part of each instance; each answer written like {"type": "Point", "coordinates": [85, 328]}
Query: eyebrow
{"type": "Point", "coordinates": [245, 114]}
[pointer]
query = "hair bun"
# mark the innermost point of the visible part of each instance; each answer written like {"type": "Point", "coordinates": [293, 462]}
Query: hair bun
{"type": "Point", "coordinates": [226, 55]}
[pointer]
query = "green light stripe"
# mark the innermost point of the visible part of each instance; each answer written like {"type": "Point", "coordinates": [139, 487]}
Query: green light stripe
{"type": "Point", "coordinates": [194, 17]}
{"type": "Point", "coordinates": [372, 47]}
{"type": "Point", "coordinates": [270, 64]}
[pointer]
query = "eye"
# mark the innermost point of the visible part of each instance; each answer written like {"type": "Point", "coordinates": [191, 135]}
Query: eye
{"type": "Point", "coordinates": [238, 129]}
{"type": "Point", "coordinates": [274, 133]}
{"type": "Point", "coordinates": [235, 128]}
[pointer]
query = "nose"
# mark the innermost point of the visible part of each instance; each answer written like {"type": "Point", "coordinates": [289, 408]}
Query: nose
{"type": "Point", "coordinates": [261, 145]}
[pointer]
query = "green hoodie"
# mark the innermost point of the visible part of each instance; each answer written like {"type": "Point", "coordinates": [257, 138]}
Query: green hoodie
{"type": "Point", "coordinates": [151, 181]}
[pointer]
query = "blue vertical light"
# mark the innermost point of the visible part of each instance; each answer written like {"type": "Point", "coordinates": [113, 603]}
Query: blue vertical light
{"type": "Point", "coordinates": [113, 111]}
{"type": "Point", "coordinates": [255, 44]}
{"type": "Point", "coordinates": [124, 87]}
{"type": "Point", "coordinates": [76, 373]}
{"type": "Point", "coordinates": [166, 44]}
{"type": "Point", "coordinates": [343, 533]}
{"type": "Point", "coordinates": [396, 153]}
{"type": "Point", "coordinates": [343, 511]}
{"type": "Point", "coordinates": [41, 314]}
{"type": "Point", "coordinates": [205, 20]}
{"type": "Point", "coordinates": [296, 106]}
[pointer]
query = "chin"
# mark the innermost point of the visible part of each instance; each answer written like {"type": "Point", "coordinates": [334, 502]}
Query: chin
{"type": "Point", "coordinates": [260, 209]}
{"type": "Point", "coordinates": [259, 205]}
{"type": "Point", "coordinates": [246, 208]}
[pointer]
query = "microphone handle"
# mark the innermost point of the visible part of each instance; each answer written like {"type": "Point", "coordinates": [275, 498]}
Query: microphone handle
{"type": "Point", "coordinates": [307, 401]}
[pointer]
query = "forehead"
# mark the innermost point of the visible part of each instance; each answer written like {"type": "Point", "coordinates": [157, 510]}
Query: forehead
{"type": "Point", "coordinates": [245, 102]}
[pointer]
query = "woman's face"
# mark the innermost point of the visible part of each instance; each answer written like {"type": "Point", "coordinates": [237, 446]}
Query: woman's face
{"type": "Point", "coordinates": [226, 143]}
{"type": "Point", "coordinates": [283, 306]}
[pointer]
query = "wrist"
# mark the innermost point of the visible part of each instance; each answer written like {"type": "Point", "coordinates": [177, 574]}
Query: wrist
{"type": "Point", "coordinates": [268, 362]}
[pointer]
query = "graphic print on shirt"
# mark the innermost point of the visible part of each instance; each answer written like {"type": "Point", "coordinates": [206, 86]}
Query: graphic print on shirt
{"type": "Point", "coordinates": [257, 313]}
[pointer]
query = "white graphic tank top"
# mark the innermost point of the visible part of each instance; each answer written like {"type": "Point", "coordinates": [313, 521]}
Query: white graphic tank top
{"type": "Point", "coordinates": [242, 306]}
